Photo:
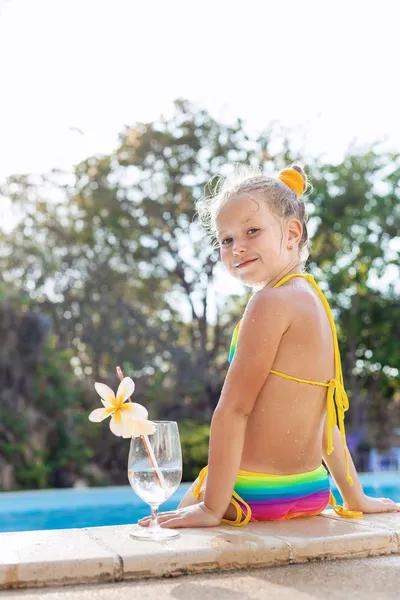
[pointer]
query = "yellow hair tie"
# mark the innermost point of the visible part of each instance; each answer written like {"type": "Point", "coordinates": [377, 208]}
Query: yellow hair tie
{"type": "Point", "coordinates": [294, 180]}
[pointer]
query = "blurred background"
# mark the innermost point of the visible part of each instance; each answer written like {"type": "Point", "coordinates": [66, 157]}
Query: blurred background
{"type": "Point", "coordinates": [114, 116]}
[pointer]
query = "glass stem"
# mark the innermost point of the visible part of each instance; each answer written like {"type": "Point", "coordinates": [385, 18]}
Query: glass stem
{"type": "Point", "coordinates": [154, 516]}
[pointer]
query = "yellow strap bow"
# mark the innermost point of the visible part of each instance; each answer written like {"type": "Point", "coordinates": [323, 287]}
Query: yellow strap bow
{"type": "Point", "coordinates": [336, 393]}
{"type": "Point", "coordinates": [337, 396]}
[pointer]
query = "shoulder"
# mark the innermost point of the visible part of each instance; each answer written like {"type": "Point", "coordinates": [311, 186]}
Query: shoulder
{"type": "Point", "coordinates": [264, 322]}
{"type": "Point", "coordinates": [269, 307]}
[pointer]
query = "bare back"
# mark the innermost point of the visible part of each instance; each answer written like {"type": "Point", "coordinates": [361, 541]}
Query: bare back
{"type": "Point", "coordinates": [285, 428]}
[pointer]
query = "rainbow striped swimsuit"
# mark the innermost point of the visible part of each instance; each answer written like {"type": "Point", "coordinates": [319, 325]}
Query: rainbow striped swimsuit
{"type": "Point", "coordinates": [263, 497]}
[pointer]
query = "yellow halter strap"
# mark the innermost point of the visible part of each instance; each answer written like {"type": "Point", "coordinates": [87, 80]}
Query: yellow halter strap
{"type": "Point", "coordinates": [336, 393]}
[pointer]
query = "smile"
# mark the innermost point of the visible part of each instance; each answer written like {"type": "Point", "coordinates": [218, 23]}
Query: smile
{"type": "Point", "coordinates": [244, 264]}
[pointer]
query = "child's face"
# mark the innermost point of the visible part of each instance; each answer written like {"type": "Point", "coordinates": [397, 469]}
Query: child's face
{"type": "Point", "coordinates": [248, 231]}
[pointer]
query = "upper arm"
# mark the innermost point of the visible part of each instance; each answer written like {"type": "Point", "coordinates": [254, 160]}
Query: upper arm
{"type": "Point", "coordinates": [263, 325]}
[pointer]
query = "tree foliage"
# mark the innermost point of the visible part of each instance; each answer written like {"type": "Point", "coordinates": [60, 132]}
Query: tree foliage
{"type": "Point", "coordinates": [113, 255]}
{"type": "Point", "coordinates": [355, 251]}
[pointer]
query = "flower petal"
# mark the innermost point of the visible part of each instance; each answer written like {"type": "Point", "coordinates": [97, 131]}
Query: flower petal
{"type": "Point", "coordinates": [105, 394]}
{"type": "Point", "coordinates": [99, 414]}
{"type": "Point", "coordinates": [134, 411]}
{"type": "Point", "coordinates": [137, 428]}
{"type": "Point", "coordinates": [116, 424]}
{"type": "Point", "coordinates": [125, 389]}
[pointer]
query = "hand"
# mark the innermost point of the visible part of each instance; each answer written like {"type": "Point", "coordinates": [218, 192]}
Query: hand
{"type": "Point", "coordinates": [369, 505]}
{"type": "Point", "coordinates": [197, 515]}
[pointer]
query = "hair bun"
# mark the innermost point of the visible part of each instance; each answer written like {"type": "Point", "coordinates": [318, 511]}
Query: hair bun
{"type": "Point", "coordinates": [295, 178]}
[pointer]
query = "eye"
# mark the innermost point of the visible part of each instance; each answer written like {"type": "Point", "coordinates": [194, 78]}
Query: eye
{"type": "Point", "coordinates": [226, 241]}
{"type": "Point", "coordinates": [253, 229]}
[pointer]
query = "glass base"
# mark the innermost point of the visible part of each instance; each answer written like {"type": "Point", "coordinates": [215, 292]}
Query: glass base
{"type": "Point", "coordinates": [153, 533]}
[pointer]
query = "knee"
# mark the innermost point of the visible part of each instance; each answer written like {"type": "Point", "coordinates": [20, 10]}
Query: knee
{"type": "Point", "coordinates": [189, 498]}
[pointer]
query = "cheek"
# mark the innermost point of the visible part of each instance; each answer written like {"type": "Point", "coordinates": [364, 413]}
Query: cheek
{"type": "Point", "coordinates": [224, 254]}
{"type": "Point", "coordinates": [272, 242]}
{"type": "Point", "coordinates": [226, 258]}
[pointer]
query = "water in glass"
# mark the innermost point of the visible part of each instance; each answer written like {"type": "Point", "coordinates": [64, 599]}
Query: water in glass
{"type": "Point", "coordinates": [155, 472]}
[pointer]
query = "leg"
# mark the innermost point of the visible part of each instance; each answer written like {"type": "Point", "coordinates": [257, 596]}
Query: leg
{"type": "Point", "coordinates": [189, 499]}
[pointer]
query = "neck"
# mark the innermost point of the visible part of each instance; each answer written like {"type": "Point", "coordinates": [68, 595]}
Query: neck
{"type": "Point", "coordinates": [288, 270]}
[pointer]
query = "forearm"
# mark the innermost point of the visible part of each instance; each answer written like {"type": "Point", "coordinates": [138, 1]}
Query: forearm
{"type": "Point", "coordinates": [227, 434]}
{"type": "Point", "coordinates": [352, 494]}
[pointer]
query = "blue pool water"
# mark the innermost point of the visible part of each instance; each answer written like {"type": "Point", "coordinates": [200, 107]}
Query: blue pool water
{"type": "Point", "coordinates": [93, 507]}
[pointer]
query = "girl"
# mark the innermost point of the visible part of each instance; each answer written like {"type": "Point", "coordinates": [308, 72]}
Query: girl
{"type": "Point", "coordinates": [281, 410]}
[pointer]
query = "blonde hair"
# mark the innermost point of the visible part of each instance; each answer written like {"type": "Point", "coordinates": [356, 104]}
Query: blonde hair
{"type": "Point", "coordinates": [283, 200]}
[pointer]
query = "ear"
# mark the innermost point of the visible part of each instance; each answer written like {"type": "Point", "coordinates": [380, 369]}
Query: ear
{"type": "Point", "coordinates": [294, 231]}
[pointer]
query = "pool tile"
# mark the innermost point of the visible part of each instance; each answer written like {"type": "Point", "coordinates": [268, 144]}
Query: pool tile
{"type": "Point", "coordinates": [326, 538]}
{"type": "Point", "coordinates": [60, 556]}
{"type": "Point", "coordinates": [196, 550]}
{"type": "Point", "coordinates": [388, 521]}
{"type": "Point", "coordinates": [39, 558]}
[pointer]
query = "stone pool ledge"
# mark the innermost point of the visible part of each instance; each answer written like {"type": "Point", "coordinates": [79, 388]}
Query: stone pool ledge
{"type": "Point", "coordinates": [100, 554]}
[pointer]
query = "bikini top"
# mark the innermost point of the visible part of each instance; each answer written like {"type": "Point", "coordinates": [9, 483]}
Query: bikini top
{"type": "Point", "coordinates": [337, 400]}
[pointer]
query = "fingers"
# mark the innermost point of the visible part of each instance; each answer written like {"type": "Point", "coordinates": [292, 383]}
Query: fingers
{"type": "Point", "coordinates": [176, 523]}
{"type": "Point", "coordinates": [145, 522]}
{"type": "Point", "coordinates": [393, 506]}
{"type": "Point", "coordinates": [167, 522]}
{"type": "Point", "coordinates": [170, 519]}
{"type": "Point", "coordinates": [388, 505]}
{"type": "Point", "coordinates": [159, 516]}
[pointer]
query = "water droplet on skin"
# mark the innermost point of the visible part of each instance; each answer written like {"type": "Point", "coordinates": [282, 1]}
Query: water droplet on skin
{"type": "Point", "coordinates": [288, 432]}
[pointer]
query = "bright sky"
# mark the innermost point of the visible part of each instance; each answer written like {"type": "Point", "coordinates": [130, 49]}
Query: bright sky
{"type": "Point", "coordinates": [74, 72]}
{"type": "Point", "coordinates": [70, 65]}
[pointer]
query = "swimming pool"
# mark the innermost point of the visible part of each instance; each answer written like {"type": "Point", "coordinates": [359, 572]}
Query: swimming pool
{"type": "Point", "coordinates": [93, 507]}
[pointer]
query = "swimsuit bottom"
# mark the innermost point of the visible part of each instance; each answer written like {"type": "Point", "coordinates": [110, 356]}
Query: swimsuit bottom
{"type": "Point", "coordinates": [263, 497]}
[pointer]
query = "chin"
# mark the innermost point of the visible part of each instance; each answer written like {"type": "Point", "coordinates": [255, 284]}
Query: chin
{"type": "Point", "coordinates": [251, 282]}
{"type": "Point", "coordinates": [259, 285]}
{"type": "Point", "coordinates": [256, 285]}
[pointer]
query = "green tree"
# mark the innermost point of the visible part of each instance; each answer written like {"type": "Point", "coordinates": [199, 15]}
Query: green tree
{"type": "Point", "coordinates": [116, 257]}
{"type": "Point", "coordinates": [40, 419]}
{"type": "Point", "coordinates": [355, 249]}
{"type": "Point", "coordinates": [113, 254]}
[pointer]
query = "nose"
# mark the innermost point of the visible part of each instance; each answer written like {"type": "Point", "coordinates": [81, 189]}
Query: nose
{"type": "Point", "coordinates": [238, 246]}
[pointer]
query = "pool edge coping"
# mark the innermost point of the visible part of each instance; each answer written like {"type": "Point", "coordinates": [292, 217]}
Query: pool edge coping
{"type": "Point", "coordinates": [108, 554]}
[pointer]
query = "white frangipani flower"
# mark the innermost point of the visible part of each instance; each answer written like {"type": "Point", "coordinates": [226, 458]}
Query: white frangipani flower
{"type": "Point", "coordinates": [127, 418]}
